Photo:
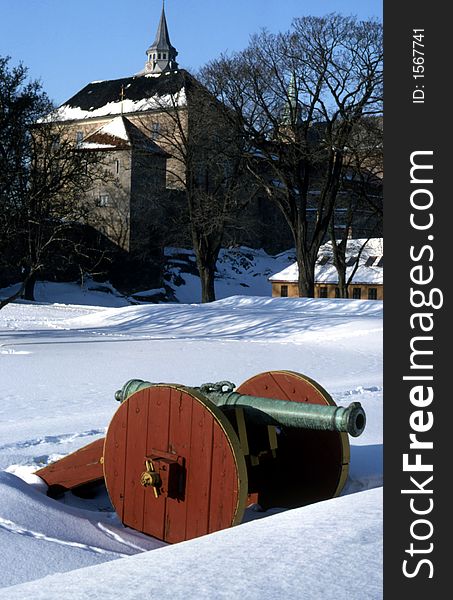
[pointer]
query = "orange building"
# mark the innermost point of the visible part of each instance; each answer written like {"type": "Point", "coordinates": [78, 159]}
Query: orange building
{"type": "Point", "coordinates": [364, 273]}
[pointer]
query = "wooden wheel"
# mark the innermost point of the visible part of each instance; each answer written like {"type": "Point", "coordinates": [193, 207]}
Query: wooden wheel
{"type": "Point", "coordinates": [311, 465]}
{"type": "Point", "coordinates": [173, 466]}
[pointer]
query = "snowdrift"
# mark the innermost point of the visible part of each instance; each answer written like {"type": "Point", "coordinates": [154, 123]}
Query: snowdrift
{"type": "Point", "coordinates": [328, 550]}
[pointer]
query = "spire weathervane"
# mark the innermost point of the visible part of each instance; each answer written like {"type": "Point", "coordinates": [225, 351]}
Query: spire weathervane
{"type": "Point", "coordinates": [161, 54]}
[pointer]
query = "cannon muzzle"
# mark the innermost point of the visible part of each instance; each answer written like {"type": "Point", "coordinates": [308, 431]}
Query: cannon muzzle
{"type": "Point", "coordinates": [269, 411]}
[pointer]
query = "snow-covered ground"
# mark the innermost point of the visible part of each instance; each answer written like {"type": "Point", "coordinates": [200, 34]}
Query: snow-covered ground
{"type": "Point", "coordinates": [240, 271]}
{"type": "Point", "coordinates": [60, 365]}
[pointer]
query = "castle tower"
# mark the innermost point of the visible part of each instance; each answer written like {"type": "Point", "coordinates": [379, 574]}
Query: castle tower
{"type": "Point", "coordinates": [161, 54]}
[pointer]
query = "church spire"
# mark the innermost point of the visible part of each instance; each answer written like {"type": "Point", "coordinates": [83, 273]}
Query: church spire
{"type": "Point", "coordinates": [161, 54]}
{"type": "Point", "coordinates": [292, 111]}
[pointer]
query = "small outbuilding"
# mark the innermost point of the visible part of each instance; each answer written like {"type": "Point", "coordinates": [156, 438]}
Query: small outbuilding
{"type": "Point", "coordinates": [364, 269]}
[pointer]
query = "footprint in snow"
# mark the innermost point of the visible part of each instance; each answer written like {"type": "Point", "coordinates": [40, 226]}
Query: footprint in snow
{"type": "Point", "coordinates": [52, 439]}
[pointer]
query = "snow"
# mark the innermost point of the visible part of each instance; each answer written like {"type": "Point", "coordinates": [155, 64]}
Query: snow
{"type": "Point", "coordinates": [114, 128]}
{"type": "Point", "coordinates": [75, 113]}
{"type": "Point", "coordinates": [327, 273]}
{"type": "Point", "coordinates": [240, 271]}
{"type": "Point", "coordinates": [45, 537]}
{"type": "Point", "coordinates": [86, 293]}
{"type": "Point", "coordinates": [246, 562]}
{"type": "Point", "coordinates": [94, 146]}
{"type": "Point", "coordinates": [61, 362]}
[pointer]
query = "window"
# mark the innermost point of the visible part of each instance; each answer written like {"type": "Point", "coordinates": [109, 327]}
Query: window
{"type": "Point", "coordinates": [159, 55]}
{"type": "Point", "coordinates": [284, 291]}
{"type": "Point", "coordinates": [117, 166]}
{"type": "Point", "coordinates": [323, 292]}
{"type": "Point", "coordinates": [381, 262]}
{"type": "Point", "coordinates": [372, 293]}
{"type": "Point", "coordinates": [104, 200]}
{"type": "Point", "coordinates": [351, 261]}
{"type": "Point", "coordinates": [55, 143]}
{"type": "Point", "coordinates": [370, 261]}
{"type": "Point", "coordinates": [356, 293]}
{"type": "Point", "coordinates": [164, 56]}
{"type": "Point", "coordinates": [323, 260]}
{"type": "Point", "coordinates": [337, 292]}
{"type": "Point", "coordinates": [79, 137]}
{"type": "Point", "coordinates": [155, 129]}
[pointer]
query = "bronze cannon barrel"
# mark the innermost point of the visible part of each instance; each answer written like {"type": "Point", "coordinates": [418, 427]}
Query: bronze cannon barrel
{"type": "Point", "coordinates": [268, 411]}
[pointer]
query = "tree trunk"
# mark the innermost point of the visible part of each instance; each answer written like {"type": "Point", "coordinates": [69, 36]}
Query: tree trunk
{"type": "Point", "coordinates": [339, 258]}
{"type": "Point", "coordinates": [306, 262]}
{"type": "Point", "coordinates": [29, 288]}
{"type": "Point", "coordinates": [342, 284]}
{"type": "Point", "coordinates": [206, 251]}
{"type": "Point", "coordinates": [207, 276]}
{"type": "Point", "coordinates": [306, 267]}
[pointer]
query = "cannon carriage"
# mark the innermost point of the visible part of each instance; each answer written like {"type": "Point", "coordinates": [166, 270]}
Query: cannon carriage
{"type": "Point", "coordinates": [179, 462]}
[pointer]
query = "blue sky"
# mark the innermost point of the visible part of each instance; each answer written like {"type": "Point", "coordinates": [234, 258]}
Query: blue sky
{"type": "Point", "coordinates": [68, 43]}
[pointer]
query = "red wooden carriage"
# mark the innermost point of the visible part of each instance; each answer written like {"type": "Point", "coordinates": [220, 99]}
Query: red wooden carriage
{"type": "Point", "coordinates": [180, 462]}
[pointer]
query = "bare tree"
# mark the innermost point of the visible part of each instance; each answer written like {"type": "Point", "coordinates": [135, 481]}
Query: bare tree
{"type": "Point", "coordinates": [296, 98]}
{"type": "Point", "coordinates": [43, 179]}
{"type": "Point", "coordinates": [204, 166]}
{"type": "Point", "coordinates": [359, 210]}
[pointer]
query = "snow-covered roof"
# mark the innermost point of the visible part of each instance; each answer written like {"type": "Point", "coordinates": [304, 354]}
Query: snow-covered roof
{"type": "Point", "coordinates": [118, 134]}
{"type": "Point", "coordinates": [127, 95]}
{"type": "Point", "coordinates": [370, 269]}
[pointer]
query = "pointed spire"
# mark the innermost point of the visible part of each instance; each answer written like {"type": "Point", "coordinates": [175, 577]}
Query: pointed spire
{"type": "Point", "coordinates": [292, 111]}
{"type": "Point", "coordinates": [162, 37]}
{"type": "Point", "coordinates": [161, 54]}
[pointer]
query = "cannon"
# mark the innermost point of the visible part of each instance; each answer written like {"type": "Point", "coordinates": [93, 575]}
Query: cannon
{"type": "Point", "coordinates": [179, 462]}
